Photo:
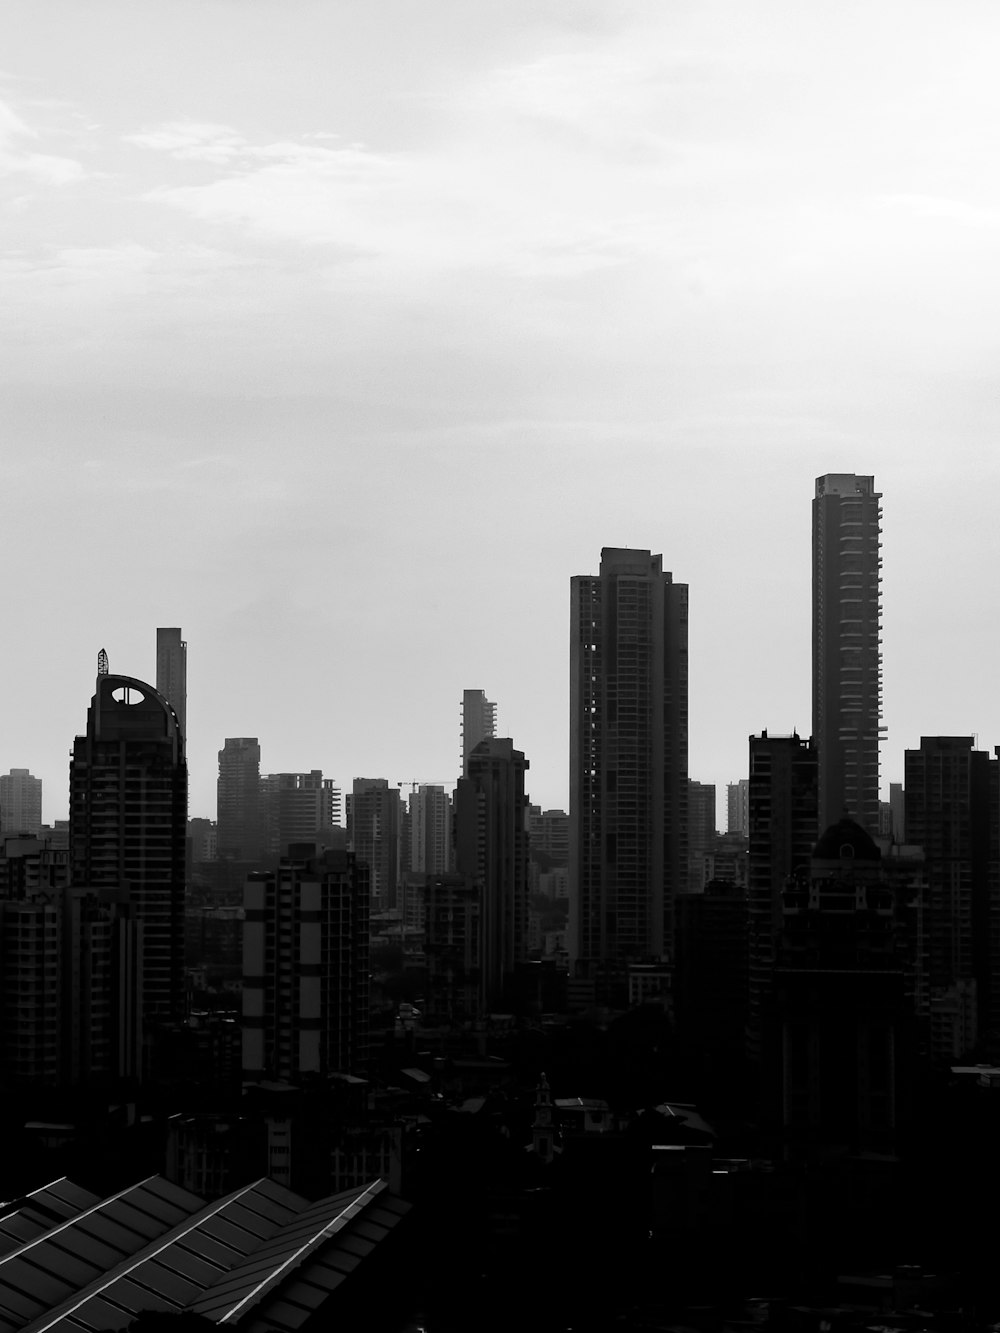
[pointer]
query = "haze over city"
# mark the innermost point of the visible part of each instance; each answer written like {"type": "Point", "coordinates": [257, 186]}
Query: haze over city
{"type": "Point", "coordinates": [342, 337]}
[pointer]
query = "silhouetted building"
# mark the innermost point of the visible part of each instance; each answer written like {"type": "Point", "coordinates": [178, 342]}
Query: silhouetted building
{"type": "Point", "coordinates": [549, 831]}
{"type": "Point", "coordinates": [628, 760]}
{"type": "Point", "coordinates": [240, 822]}
{"type": "Point", "coordinates": [454, 949]}
{"type": "Point", "coordinates": [710, 982]}
{"type": "Point", "coordinates": [171, 673]}
{"type": "Point", "coordinates": [430, 836]}
{"type": "Point", "coordinates": [738, 807]}
{"type": "Point", "coordinates": [128, 813]}
{"type": "Point", "coordinates": [299, 807]}
{"type": "Point", "coordinates": [846, 646]}
{"type": "Point", "coordinates": [953, 812]}
{"type": "Point", "coordinates": [783, 831]}
{"type": "Point", "coordinates": [479, 723]}
{"type": "Point", "coordinates": [20, 802]}
{"type": "Point", "coordinates": [701, 832]}
{"type": "Point", "coordinates": [374, 818]}
{"type": "Point", "coordinates": [491, 851]}
{"type": "Point", "coordinates": [306, 967]}
{"type": "Point", "coordinates": [843, 1002]}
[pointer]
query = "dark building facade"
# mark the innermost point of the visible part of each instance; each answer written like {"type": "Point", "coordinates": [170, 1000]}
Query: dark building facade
{"type": "Point", "coordinates": [846, 646]}
{"type": "Point", "coordinates": [306, 956]}
{"type": "Point", "coordinates": [628, 761]}
{"type": "Point", "coordinates": [783, 831]}
{"type": "Point", "coordinates": [843, 1004]}
{"type": "Point", "coordinates": [240, 818]}
{"type": "Point", "coordinates": [128, 812]}
{"type": "Point", "coordinates": [952, 813]}
{"type": "Point", "coordinates": [491, 852]}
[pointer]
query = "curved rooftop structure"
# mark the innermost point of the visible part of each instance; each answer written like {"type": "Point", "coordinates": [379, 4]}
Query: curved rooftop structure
{"type": "Point", "coordinates": [846, 839]}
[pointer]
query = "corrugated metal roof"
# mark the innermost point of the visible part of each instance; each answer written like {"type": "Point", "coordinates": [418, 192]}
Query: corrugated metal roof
{"type": "Point", "coordinates": [23, 1219]}
{"type": "Point", "coordinates": [262, 1257]}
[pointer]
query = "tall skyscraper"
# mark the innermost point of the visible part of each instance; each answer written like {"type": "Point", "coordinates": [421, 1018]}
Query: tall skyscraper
{"type": "Point", "coordinates": [430, 831]}
{"type": "Point", "coordinates": [479, 723]}
{"type": "Point", "coordinates": [491, 851]}
{"type": "Point", "coordinates": [701, 832]}
{"type": "Point", "coordinates": [128, 813]}
{"type": "Point", "coordinates": [240, 818]}
{"type": "Point", "coordinates": [305, 966]}
{"type": "Point", "coordinates": [628, 759]}
{"type": "Point", "coordinates": [783, 831]}
{"type": "Point", "coordinates": [374, 818]}
{"type": "Point", "coordinates": [20, 802]}
{"type": "Point", "coordinates": [846, 647]}
{"type": "Point", "coordinates": [171, 673]}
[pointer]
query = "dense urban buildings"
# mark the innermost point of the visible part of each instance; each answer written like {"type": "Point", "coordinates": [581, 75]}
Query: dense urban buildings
{"type": "Point", "coordinates": [429, 828]}
{"type": "Point", "coordinates": [20, 802]}
{"type": "Point", "coordinates": [128, 813]}
{"type": "Point", "coordinates": [628, 760]}
{"type": "Point", "coordinates": [846, 647]}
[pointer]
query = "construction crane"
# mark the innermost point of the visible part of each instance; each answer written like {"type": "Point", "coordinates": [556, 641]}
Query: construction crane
{"type": "Point", "coordinates": [427, 782]}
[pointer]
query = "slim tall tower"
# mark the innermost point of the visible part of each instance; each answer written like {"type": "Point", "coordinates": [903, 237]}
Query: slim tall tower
{"type": "Point", "coordinates": [491, 851]}
{"type": "Point", "coordinates": [846, 646]}
{"type": "Point", "coordinates": [171, 672]}
{"type": "Point", "coordinates": [128, 815]}
{"type": "Point", "coordinates": [628, 759]}
{"type": "Point", "coordinates": [479, 723]}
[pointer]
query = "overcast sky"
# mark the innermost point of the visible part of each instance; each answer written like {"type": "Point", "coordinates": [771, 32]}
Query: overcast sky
{"type": "Point", "coordinates": [341, 333]}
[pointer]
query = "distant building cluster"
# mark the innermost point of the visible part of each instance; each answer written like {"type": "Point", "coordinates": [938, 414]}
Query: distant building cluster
{"type": "Point", "coordinates": [835, 949]}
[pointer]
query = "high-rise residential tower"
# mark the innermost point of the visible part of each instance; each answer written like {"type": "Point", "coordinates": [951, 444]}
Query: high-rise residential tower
{"type": "Point", "coordinates": [491, 851]}
{"type": "Point", "coordinates": [430, 831]}
{"type": "Point", "coordinates": [374, 819]}
{"type": "Point", "coordinates": [171, 673]}
{"type": "Point", "coordinates": [479, 723]}
{"type": "Point", "coordinates": [240, 817]}
{"type": "Point", "coordinates": [128, 825]}
{"type": "Point", "coordinates": [846, 647]}
{"type": "Point", "coordinates": [20, 802]}
{"type": "Point", "coordinates": [628, 759]}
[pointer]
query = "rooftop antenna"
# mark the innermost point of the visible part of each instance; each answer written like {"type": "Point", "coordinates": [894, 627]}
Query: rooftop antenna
{"type": "Point", "coordinates": [102, 663]}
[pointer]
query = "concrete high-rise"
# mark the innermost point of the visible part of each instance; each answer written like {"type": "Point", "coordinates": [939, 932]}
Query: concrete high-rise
{"type": "Point", "coordinates": [491, 851]}
{"type": "Point", "coordinates": [783, 831]}
{"type": "Point", "coordinates": [240, 817]}
{"type": "Point", "coordinates": [171, 673]}
{"type": "Point", "coordinates": [846, 647]}
{"type": "Point", "coordinates": [20, 803]}
{"type": "Point", "coordinates": [479, 723]}
{"type": "Point", "coordinates": [305, 966]}
{"type": "Point", "coordinates": [953, 813]}
{"type": "Point", "coordinates": [128, 825]}
{"type": "Point", "coordinates": [430, 851]}
{"type": "Point", "coordinates": [299, 808]}
{"type": "Point", "coordinates": [374, 819]}
{"type": "Point", "coordinates": [628, 760]}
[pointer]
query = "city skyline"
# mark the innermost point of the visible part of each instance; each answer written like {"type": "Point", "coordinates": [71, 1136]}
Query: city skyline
{"type": "Point", "coordinates": [346, 347]}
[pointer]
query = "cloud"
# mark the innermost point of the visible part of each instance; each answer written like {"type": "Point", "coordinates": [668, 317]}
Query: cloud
{"type": "Point", "coordinates": [16, 159]}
